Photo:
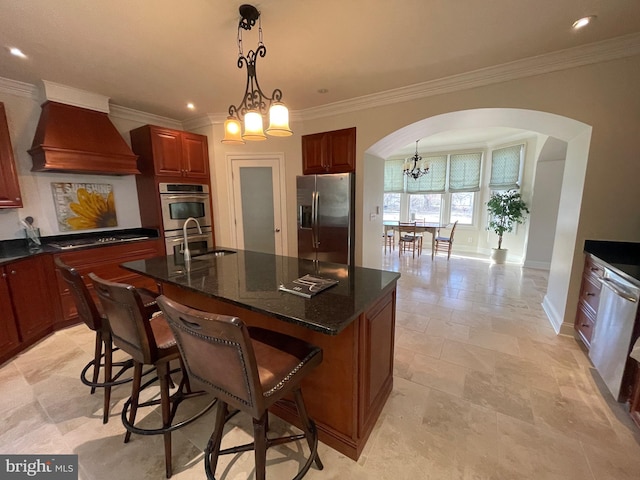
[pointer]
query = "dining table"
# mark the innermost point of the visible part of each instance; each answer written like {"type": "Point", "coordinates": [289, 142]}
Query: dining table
{"type": "Point", "coordinates": [431, 227]}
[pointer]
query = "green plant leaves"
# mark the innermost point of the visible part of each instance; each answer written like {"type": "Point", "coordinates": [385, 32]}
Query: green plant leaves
{"type": "Point", "coordinates": [505, 210]}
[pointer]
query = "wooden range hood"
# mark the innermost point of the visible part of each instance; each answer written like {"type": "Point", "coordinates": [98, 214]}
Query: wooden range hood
{"type": "Point", "coordinates": [77, 140]}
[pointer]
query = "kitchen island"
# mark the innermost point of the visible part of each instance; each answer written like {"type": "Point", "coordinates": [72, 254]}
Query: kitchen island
{"type": "Point", "coordinates": [353, 322]}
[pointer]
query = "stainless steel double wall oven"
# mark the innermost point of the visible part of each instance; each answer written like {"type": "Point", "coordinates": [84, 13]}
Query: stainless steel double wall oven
{"type": "Point", "coordinates": [180, 201]}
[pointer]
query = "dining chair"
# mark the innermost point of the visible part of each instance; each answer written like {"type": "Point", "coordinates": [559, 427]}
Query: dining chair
{"type": "Point", "coordinates": [444, 244]}
{"type": "Point", "coordinates": [419, 234]}
{"type": "Point", "coordinates": [248, 369]}
{"type": "Point", "coordinates": [408, 238]}
{"type": "Point", "coordinates": [389, 236]}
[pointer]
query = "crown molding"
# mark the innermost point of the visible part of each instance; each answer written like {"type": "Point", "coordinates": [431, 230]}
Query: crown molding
{"type": "Point", "coordinates": [144, 118]}
{"type": "Point", "coordinates": [219, 118]}
{"type": "Point", "coordinates": [20, 89]}
{"type": "Point", "coordinates": [616, 48]}
{"type": "Point", "coordinates": [205, 121]}
{"type": "Point", "coordinates": [619, 47]}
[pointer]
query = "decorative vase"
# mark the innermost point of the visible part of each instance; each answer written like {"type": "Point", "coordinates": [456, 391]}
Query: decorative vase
{"type": "Point", "coordinates": [498, 255]}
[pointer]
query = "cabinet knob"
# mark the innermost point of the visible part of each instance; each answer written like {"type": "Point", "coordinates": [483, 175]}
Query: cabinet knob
{"type": "Point", "coordinates": [277, 230]}
{"type": "Point", "coordinates": [17, 199]}
{"type": "Point", "coordinates": [589, 294]}
{"type": "Point", "coordinates": [13, 272]}
{"type": "Point", "coordinates": [4, 275]}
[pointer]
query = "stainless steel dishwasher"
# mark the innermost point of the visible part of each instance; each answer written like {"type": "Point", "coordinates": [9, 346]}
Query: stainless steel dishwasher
{"type": "Point", "coordinates": [611, 340]}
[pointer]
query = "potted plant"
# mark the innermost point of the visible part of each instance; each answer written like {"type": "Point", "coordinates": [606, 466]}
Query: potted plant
{"type": "Point", "coordinates": [505, 210]}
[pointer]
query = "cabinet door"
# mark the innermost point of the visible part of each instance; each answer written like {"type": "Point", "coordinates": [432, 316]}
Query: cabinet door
{"type": "Point", "coordinates": [8, 329]}
{"type": "Point", "coordinates": [195, 156]}
{"type": "Point", "coordinates": [313, 154]}
{"type": "Point", "coordinates": [29, 291]}
{"type": "Point", "coordinates": [341, 151]}
{"type": "Point", "coordinates": [105, 263]}
{"type": "Point", "coordinates": [167, 152]}
{"type": "Point", "coordinates": [9, 187]}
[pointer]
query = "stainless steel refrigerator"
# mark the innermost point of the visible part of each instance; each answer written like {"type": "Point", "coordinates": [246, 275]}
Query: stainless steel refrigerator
{"type": "Point", "coordinates": [325, 217]}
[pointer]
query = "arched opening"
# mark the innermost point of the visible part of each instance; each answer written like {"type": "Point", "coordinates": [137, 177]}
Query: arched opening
{"type": "Point", "coordinates": [576, 135]}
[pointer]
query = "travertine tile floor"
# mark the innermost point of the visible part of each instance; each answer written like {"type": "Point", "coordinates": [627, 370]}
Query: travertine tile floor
{"type": "Point", "coordinates": [483, 389]}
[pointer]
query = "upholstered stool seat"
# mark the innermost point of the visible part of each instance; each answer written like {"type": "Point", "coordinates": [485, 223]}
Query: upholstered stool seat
{"type": "Point", "coordinates": [149, 342]}
{"type": "Point", "coordinates": [91, 314]}
{"type": "Point", "coordinates": [247, 369]}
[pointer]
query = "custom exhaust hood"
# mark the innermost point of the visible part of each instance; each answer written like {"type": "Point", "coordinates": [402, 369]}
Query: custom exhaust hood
{"type": "Point", "coordinates": [72, 139]}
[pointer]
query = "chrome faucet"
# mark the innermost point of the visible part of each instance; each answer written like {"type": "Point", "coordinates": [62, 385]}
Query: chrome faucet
{"type": "Point", "coordinates": [185, 248]}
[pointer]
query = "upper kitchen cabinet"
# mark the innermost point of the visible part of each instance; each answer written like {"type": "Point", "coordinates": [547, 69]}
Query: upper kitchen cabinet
{"type": "Point", "coordinates": [329, 152]}
{"type": "Point", "coordinates": [171, 153]}
{"type": "Point", "coordinates": [9, 187]}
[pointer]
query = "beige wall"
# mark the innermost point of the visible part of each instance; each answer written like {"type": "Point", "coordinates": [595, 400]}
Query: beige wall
{"type": "Point", "coordinates": [602, 160]}
{"type": "Point", "coordinates": [603, 96]}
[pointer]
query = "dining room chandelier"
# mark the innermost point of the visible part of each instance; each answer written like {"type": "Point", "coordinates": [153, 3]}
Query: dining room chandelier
{"type": "Point", "coordinates": [415, 166]}
{"type": "Point", "coordinates": [245, 121]}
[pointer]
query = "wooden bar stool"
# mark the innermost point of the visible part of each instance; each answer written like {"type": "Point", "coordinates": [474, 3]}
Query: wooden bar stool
{"type": "Point", "coordinates": [89, 312]}
{"type": "Point", "coordinates": [149, 342]}
{"type": "Point", "coordinates": [248, 369]}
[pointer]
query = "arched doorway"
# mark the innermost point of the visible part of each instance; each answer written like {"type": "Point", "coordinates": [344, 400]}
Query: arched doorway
{"type": "Point", "coordinates": [577, 136]}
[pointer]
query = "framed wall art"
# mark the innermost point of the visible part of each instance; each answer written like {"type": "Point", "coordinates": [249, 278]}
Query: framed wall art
{"type": "Point", "coordinates": [84, 206]}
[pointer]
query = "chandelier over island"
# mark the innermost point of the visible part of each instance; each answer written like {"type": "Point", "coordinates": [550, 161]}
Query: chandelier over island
{"type": "Point", "coordinates": [255, 103]}
{"type": "Point", "coordinates": [415, 166]}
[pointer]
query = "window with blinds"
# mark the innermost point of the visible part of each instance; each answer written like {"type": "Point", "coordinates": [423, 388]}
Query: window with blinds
{"type": "Point", "coordinates": [505, 168]}
{"type": "Point", "coordinates": [394, 176]}
{"type": "Point", "coordinates": [464, 172]}
{"type": "Point", "coordinates": [435, 181]}
{"type": "Point", "coordinates": [463, 175]}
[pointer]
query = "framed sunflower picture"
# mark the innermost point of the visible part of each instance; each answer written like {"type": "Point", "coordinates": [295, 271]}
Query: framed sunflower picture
{"type": "Point", "coordinates": [84, 206]}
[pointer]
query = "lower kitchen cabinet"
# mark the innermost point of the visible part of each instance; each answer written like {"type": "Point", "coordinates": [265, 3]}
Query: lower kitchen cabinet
{"type": "Point", "coordinates": [35, 301]}
{"type": "Point", "coordinates": [588, 300]}
{"type": "Point", "coordinates": [104, 262]}
{"type": "Point", "coordinates": [9, 339]}
{"type": "Point", "coordinates": [28, 306]}
{"type": "Point", "coordinates": [634, 405]}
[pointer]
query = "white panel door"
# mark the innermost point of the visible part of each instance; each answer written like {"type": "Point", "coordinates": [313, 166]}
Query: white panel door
{"type": "Point", "coordinates": [258, 204]}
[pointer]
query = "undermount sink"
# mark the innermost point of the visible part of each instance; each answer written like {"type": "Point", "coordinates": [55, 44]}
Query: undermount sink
{"type": "Point", "coordinates": [214, 254]}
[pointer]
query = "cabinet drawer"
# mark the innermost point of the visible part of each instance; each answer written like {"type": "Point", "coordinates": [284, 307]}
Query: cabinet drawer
{"type": "Point", "coordinates": [584, 324]}
{"type": "Point", "coordinates": [592, 268]}
{"type": "Point", "coordinates": [590, 292]}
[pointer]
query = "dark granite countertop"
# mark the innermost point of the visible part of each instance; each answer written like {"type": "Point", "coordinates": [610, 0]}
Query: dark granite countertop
{"type": "Point", "coordinates": [251, 280]}
{"type": "Point", "coordinates": [11, 250]}
{"type": "Point", "coordinates": [623, 257]}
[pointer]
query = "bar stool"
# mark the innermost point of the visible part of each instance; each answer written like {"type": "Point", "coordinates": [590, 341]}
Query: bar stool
{"type": "Point", "coordinates": [248, 369]}
{"type": "Point", "coordinates": [149, 342]}
{"type": "Point", "coordinates": [89, 313]}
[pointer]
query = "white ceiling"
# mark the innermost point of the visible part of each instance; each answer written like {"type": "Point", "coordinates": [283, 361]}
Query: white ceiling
{"type": "Point", "coordinates": [157, 55]}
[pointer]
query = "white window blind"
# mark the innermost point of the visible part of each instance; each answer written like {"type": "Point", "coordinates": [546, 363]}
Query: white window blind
{"type": "Point", "coordinates": [393, 176]}
{"type": "Point", "coordinates": [432, 182]}
{"type": "Point", "coordinates": [505, 168]}
{"type": "Point", "coordinates": [464, 172]}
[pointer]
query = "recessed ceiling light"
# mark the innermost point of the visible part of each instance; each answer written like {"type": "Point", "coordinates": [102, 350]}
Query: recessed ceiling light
{"type": "Point", "coordinates": [17, 52]}
{"type": "Point", "coordinates": [583, 22]}
{"type": "Point", "coordinates": [191, 106]}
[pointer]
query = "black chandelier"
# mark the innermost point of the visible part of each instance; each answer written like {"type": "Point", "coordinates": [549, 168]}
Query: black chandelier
{"type": "Point", "coordinates": [414, 166]}
{"type": "Point", "coordinates": [255, 104]}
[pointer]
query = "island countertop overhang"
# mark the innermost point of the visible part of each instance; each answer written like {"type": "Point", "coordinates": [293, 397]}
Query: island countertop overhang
{"type": "Point", "coordinates": [251, 280]}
